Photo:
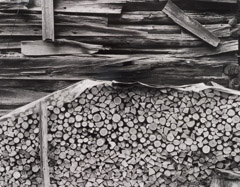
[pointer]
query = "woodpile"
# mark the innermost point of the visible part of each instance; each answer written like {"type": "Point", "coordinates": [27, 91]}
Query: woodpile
{"type": "Point", "coordinates": [113, 135]}
{"type": "Point", "coordinates": [19, 155]}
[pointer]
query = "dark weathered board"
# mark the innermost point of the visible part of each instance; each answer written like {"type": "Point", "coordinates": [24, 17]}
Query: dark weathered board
{"type": "Point", "coordinates": [224, 47]}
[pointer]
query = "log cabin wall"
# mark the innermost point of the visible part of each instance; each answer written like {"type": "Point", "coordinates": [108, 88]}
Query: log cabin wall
{"type": "Point", "coordinates": [135, 39]}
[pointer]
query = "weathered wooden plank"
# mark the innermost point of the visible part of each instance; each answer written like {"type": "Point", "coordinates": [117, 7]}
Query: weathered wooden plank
{"type": "Point", "coordinates": [219, 30]}
{"type": "Point", "coordinates": [158, 17]}
{"type": "Point", "coordinates": [224, 47]}
{"type": "Point", "coordinates": [152, 41]}
{"type": "Point", "coordinates": [56, 69]}
{"type": "Point", "coordinates": [48, 20]}
{"type": "Point", "coordinates": [71, 6]}
{"type": "Point", "coordinates": [184, 5]}
{"type": "Point", "coordinates": [44, 144]}
{"type": "Point", "coordinates": [58, 47]}
{"type": "Point", "coordinates": [13, 4]}
{"type": "Point", "coordinates": [28, 17]}
{"type": "Point", "coordinates": [190, 24]}
{"type": "Point", "coordinates": [67, 30]}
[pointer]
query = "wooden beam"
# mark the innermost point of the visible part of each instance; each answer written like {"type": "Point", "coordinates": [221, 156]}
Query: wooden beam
{"type": "Point", "coordinates": [178, 16]}
{"type": "Point", "coordinates": [48, 20]}
{"type": "Point", "coordinates": [44, 144]}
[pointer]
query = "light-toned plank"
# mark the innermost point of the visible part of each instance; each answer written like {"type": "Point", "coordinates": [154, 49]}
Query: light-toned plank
{"type": "Point", "coordinates": [44, 144]}
{"type": "Point", "coordinates": [48, 20]}
{"type": "Point", "coordinates": [178, 16]}
{"type": "Point", "coordinates": [59, 47]}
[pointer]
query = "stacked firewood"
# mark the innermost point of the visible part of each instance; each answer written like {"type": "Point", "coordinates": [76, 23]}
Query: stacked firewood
{"type": "Point", "coordinates": [19, 151]}
{"type": "Point", "coordinates": [138, 136]}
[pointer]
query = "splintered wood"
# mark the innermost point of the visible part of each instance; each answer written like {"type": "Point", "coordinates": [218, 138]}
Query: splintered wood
{"type": "Point", "coordinates": [138, 136]}
{"type": "Point", "coordinates": [19, 151]}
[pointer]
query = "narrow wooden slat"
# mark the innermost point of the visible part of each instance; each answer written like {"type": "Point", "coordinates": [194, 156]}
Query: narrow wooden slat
{"type": "Point", "coordinates": [48, 20]}
{"type": "Point", "coordinates": [44, 144]}
{"type": "Point", "coordinates": [178, 16]}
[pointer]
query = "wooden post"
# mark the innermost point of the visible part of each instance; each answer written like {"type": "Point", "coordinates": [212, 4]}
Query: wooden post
{"type": "Point", "coordinates": [44, 144]}
{"type": "Point", "coordinates": [48, 20]}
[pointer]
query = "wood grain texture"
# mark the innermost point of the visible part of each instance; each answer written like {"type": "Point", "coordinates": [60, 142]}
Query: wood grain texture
{"type": "Point", "coordinates": [71, 6]}
{"type": "Point", "coordinates": [158, 17]}
{"type": "Point", "coordinates": [67, 30]}
{"type": "Point", "coordinates": [36, 18]}
{"type": "Point", "coordinates": [48, 20]}
{"type": "Point", "coordinates": [44, 144]}
{"type": "Point", "coordinates": [13, 4]}
{"type": "Point", "coordinates": [58, 47]}
{"type": "Point", "coordinates": [224, 47]}
{"type": "Point", "coordinates": [219, 30]}
{"type": "Point", "coordinates": [190, 24]}
{"type": "Point", "coordinates": [31, 75]}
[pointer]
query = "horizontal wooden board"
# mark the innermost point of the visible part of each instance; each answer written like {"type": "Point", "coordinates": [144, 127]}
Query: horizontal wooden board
{"type": "Point", "coordinates": [66, 30]}
{"type": "Point", "coordinates": [184, 5]}
{"type": "Point", "coordinates": [219, 30]}
{"type": "Point", "coordinates": [54, 68]}
{"type": "Point", "coordinates": [224, 47]}
{"type": "Point", "coordinates": [158, 17]}
{"type": "Point", "coordinates": [58, 47]}
{"type": "Point", "coordinates": [30, 18]}
{"type": "Point", "coordinates": [71, 6]}
{"type": "Point", "coordinates": [13, 4]}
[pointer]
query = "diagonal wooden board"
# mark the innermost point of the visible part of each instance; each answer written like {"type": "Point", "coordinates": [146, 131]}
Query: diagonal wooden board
{"type": "Point", "coordinates": [179, 17]}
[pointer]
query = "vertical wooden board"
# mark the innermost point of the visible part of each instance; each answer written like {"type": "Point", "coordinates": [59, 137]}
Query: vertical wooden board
{"type": "Point", "coordinates": [179, 17]}
{"type": "Point", "coordinates": [47, 20]}
{"type": "Point", "coordinates": [44, 144]}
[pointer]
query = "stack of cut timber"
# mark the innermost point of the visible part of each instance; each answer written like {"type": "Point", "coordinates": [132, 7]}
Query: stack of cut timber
{"type": "Point", "coordinates": [138, 136]}
{"type": "Point", "coordinates": [19, 151]}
